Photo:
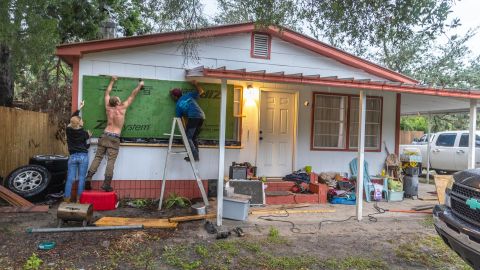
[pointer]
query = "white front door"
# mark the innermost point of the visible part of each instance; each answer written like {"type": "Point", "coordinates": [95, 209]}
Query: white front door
{"type": "Point", "coordinates": [277, 116]}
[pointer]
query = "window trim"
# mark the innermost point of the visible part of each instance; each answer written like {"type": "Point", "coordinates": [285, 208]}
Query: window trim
{"type": "Point", "coordinates": [252, 55]}
{"type": "Point", "coordinates": [346, 148]}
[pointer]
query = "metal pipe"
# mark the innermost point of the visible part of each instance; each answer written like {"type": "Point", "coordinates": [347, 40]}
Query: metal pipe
{"type": "Point", "coordinates": [84, 229]}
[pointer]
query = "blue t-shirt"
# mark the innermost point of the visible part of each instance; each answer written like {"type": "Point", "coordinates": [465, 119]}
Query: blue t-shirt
{"type": "Point", "coordinates": [187, 106]}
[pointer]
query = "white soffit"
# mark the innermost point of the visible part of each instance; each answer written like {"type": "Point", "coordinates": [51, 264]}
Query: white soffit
{"type": "Point", "coordinates": [422, 104]}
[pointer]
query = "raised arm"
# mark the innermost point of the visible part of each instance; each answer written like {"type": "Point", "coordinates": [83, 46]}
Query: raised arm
{"type": "Point", "coordinates": [134, 93]}
{"type": "Point", "coordinates": [109, 89]}
{"type": "Point", "coordinates": [198, 87]}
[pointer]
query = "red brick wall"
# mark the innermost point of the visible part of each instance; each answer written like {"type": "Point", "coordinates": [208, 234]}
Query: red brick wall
{"type": "Point", "coordinates": [150, 189]}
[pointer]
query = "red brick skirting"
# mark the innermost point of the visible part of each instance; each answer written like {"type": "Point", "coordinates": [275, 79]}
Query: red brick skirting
{"type": "Point", "coordinates": [150, 189]}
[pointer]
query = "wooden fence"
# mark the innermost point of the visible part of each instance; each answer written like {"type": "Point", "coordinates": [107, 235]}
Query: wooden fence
{"type": "Point", "coordinates": [406, 137]}
{"type": "Point", "coordinates": [24, 134]}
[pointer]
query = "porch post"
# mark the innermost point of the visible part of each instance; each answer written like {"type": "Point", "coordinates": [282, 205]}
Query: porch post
{"type": "Point", "coordinates": [429, 145]}
{"type": "Point", "coordinates": [472, 134]}
{"type": "Point", "coordinates": [362, 104]}
{"type": "Point", "coordinates": [221, 154]}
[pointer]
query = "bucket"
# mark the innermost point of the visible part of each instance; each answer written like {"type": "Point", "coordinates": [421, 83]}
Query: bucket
{"type": "Point", "coordinates": [199, 209]}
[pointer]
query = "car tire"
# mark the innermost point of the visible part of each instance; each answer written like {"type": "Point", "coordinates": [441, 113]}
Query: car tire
{"type": "Point", "coordinates": [53, 163]}
{"type": "Point", "coordinates": [30, 181]}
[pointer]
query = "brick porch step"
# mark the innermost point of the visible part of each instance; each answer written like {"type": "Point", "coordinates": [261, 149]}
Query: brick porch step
{"type": "Point", "coordinates": [279, 194]}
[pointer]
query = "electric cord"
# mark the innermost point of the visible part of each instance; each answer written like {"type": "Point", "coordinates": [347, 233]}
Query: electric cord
{"type": "Point", "coordinates": [294, 228]}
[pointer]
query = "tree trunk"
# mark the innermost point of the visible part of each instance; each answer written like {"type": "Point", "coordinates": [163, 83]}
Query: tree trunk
{"type": "Point", "coordinates": [6, 81]}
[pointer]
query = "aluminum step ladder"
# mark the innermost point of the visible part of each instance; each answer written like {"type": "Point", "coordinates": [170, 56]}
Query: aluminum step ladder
{"type": "Point", "coordinates": [177, 121]}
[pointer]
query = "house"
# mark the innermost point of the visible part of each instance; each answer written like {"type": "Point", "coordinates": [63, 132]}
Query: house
{"type": "Point", "coordinates": [301, 102]}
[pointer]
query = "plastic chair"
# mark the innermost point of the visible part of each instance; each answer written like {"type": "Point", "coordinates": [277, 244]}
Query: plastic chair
{"type": "Point", "coordinates": [367, 180]}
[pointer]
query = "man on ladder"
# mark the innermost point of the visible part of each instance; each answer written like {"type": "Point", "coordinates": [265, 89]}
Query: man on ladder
{"type": "Point", "coordinates": [188, 107]}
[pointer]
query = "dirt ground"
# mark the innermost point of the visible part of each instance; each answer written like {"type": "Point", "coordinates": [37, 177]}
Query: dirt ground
{"type": "Point", "coordinates": [299, 241]}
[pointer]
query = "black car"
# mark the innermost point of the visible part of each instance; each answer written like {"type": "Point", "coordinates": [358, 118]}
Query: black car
{"type": "Point", "coordinates": [43, 175]}
{"type": "Point", "coordinates": [458, 221]}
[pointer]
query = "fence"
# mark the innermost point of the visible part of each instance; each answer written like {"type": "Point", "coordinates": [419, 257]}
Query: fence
{"type": "Point", "coordinates": [24, 134]}
{"type": "Point", "coordinates": [406, 137]}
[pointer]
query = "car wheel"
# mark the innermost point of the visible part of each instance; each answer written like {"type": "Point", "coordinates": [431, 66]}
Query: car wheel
{"type": "Point", "coordinates": [29, 181]}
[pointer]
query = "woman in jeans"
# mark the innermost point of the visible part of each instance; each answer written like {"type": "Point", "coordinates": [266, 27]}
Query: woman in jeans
{"type": "Point", "coordinates": [78, 148]}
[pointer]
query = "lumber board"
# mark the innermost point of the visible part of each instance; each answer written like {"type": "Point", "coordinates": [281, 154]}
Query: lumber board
{"type": "Point", "coordinates": [291, 211]}
{"type": "Point", "coordinates": [194, 217]}
{"type": "Point", "coordinates": [25, 209]}
{"type": "Point", "coordinates": [13, 198]}
{"type": "Point", "coordinates": [146, 222]}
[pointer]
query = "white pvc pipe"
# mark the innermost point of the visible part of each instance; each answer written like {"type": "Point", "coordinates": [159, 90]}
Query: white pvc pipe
{"type": "Point", "coordinates": [472, 134]}
{"type": "Point", "coordinates": [221, 154]}
{"type": "Point", "coordinates": [429, 145]}
{"type": "Point", "coordinates": [362, 104]}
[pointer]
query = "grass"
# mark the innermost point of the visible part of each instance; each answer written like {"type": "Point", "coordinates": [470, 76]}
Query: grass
{"type": "Point", "coordinates": [427, 222]}
{"type": "Point", "coordinates": [430, 252]}
{"type": "Point", "coordinates": [355, 262]}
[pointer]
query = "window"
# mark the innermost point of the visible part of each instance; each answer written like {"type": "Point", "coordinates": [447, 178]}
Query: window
{"type": "Point", "coordinates": [260, 46]}
{"type": "Point", "coordinates": [447, 139]}
{"type": "Point", "coordinates": [373, 122]}
{"type": "Point", "coordinates": [464, 140]}
{"type": "Point", "coordinates": [335, 122]}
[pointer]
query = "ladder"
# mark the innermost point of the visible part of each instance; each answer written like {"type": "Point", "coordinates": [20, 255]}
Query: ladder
{"type": "Point", "coordinates": [177, 121]}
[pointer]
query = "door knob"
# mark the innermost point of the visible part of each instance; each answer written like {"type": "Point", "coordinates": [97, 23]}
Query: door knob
{"type": "Point", "coordinates": [460, 151]}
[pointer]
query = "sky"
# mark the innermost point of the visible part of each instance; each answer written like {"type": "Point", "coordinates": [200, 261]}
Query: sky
{"type": "Point", "coordinates": [466, 10]}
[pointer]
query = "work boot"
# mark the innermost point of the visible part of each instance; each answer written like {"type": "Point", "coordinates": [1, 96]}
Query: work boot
{"type": "Point", "coordinates": [89, 177]}
{"type": "Point", "coordinates": [88, 185]}
{"type": "Point", "coordinates": [107, 184]}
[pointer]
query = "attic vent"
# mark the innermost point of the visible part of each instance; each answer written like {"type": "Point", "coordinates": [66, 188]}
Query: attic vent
{"type": "Point", "coordinates": [261, 46]}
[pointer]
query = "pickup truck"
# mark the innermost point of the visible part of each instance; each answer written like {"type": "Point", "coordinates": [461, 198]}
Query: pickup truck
{"type": "Point", "coordinates": [458, 220]}
{"type": "Point", "coordinates": [448, 150]}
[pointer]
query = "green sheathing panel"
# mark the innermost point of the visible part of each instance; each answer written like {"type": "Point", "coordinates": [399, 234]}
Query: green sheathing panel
{"type": "Point", "coordinates": [150, 115]}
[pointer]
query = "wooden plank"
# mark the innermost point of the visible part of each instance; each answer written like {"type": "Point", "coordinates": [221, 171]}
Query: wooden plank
{"type": "Point", "coordinates": [291, 211]}
{"type": "Point", "coordinates": [146, 222]}
{"type": "Point", "coordinates": [9, 195]}
{"type": "Point", "coordinates": [25, 209]}
{"type": "Point", "coordinates": [194, 217]}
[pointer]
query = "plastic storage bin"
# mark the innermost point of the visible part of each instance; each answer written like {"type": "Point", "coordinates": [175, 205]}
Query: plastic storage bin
{"type": "Point", "coordinates": [395, 196]}
{"type": "Point", "coordinates": [236, 207]}
{"type": "Point", "coordinates": [100, 200]}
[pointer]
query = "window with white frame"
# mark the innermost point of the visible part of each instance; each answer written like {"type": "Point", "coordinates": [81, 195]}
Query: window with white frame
{"type": "Point", "coordinates": [335, 122]}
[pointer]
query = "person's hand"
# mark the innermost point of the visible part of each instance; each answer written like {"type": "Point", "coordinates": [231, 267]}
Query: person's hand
{"type": "Point", "coordinates": [89, 133]}
{"type": "Point", "coordinates": [114, 78]}
{"type": "Point", "coordinates": [82, 103]}
{"type": "Point", "coordinates": [141, 83]}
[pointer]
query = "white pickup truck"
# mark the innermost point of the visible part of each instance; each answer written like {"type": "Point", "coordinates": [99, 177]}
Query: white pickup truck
{"type": "Point", "coordinates": [448, 150]}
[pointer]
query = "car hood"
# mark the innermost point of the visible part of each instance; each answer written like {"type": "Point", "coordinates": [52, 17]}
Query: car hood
{"type": "Point", "coordinates": [469, 178]}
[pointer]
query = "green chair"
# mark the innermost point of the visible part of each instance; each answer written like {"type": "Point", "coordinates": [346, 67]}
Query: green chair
{"type": "Point", "coordinates": [368, 186]}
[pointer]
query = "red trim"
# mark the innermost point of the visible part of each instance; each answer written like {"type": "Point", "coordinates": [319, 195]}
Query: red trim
{"type": "Point", "coordinates": [75, 82]}
{"type": "Point", "coordinates": [66, 51]}
{"type": "Point", "coordinates": [397, 123]}
{"type": "Point", "coordinates": [253, 45]}
{"type": "Point", "coordinates": [347, 139]}
{"type": "Point", "coordinates": [379, 86]}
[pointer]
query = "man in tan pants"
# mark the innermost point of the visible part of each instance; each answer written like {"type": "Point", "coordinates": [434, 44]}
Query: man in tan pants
{"type": "Point", "coordinates": [109, 142]}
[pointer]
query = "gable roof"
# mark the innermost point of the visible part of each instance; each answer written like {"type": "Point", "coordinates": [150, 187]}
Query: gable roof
{"type": "Point", "coordinates": [70, 52]}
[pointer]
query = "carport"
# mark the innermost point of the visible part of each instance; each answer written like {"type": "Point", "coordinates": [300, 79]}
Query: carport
{"type": "Point", "coordinates": [430, 105]}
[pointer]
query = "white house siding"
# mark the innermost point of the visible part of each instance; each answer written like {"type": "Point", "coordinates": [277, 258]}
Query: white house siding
{"type": "Point", "coordinates": [165, 62]}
